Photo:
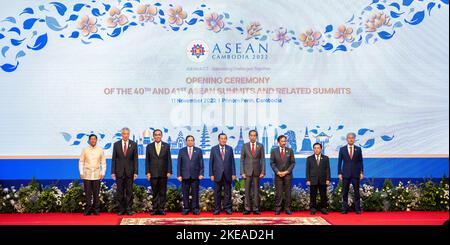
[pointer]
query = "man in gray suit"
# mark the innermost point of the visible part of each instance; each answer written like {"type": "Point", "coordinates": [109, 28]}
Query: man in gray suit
{"type": "Point", "coordinates": [253, 168]}
{"type": "Point", "coordinates": [282, 161]}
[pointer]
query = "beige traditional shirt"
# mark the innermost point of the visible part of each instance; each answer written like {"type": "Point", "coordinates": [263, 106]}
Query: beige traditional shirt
{"type": "Point", "coordinates": [92, 163]}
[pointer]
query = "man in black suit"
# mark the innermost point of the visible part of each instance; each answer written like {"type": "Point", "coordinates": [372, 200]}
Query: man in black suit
{"type": "Point", "coordinates": [351, 171]}
{"type": "Point", "coordinates": [190, 170]}
{"type": "Point", "coordinates": [124, 170]}
{"type": "Point", "coordinates": [282, 161]}
{"type": "Point", "coordinates": [158, 167]}
{"type": "Point", "coordinates": [318, 178]}
{"type": "Point", "coordinates": [222, 171]}
{"type": "Point", "coordinates": [253, 169]}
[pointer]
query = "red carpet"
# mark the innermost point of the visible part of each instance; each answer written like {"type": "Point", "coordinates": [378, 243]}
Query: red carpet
{"type": "Point", "coordinates": [367, 218]}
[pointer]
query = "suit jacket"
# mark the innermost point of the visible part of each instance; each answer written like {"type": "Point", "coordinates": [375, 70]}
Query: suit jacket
{"type": "Point", "coordinates": [318, 174]}
{"type": "Point", "coordinates": [350, 168]}
{"type": "Point", "coordinates": [190, 168]}
{"type": "Point", "coordinates": [158, 166]}
{"type": "Point", "coordinates": [281, 165]}
{"type": "Point", "coordinates": [124, 165]}
{"type": "Point", "coordinates": [219, 167]}
{"type": "Point", "coordinates": [253, 165]}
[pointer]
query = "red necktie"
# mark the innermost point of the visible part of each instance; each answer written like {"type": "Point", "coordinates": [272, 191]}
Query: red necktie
{"type": "Point", "coordinates": [125, 149]}
{"type": "Point", "coordinates": [253, 149]}
{"type": "Point", "coordinates": [282, 154]}
{"type": "Point", "coordinates": [351, 152]}
{"type": "Point", "coordinates": [222, 153]}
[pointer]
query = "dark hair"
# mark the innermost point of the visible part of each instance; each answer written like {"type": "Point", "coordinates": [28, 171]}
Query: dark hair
{"type": "Point", "coordinates": [280, 137]}
{"type": "Point", "coordinates": [318, 145]}
{"type": "Point", "coordinates": [156, 130]}
{"type": "Point", "coordinates": [190, 136]}
{"type": "Point", "coordinates": [218, 137]}
{"type": "Point", "coordinates": [92, 135]}
{"type": "Point", "coordinates": [249, 132]}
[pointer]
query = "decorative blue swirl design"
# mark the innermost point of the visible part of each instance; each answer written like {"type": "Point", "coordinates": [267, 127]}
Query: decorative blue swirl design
{"type": "Point", "coordinates": [98, 21]}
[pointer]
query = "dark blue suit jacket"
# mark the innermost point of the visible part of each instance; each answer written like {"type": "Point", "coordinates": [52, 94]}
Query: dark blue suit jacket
{"type": "Point", "coordinates": [350, 168]}
{"type": "Point", "coordinates": [219, 167]}
{"type": "Point", "coordinates": [190, 168]}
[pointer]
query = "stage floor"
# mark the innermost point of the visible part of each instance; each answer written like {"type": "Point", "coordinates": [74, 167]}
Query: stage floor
{"type": "Point", "coordinates": [334, 218]}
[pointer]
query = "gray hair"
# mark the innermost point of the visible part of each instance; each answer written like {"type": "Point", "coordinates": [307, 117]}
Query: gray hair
{"type": "Point", "coordinates": [352, 134]}
{"type": "Point", "coordinates": [125, 129]}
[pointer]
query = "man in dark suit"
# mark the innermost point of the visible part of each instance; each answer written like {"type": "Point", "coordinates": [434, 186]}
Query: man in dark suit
{"type": "Point", "coordinates": [124, 170]}
{"type": "Point", "coordinates": [158, 167]}
{"type": "Point", "coordinates": [253, 168]}
{"type": "Point", "coordinates": [351, 171]}
{"type": "Point", "coordinates": [222, 171]}
{"type": "Point", "coordinates": [190, 170]}
{"type": "Point", "coordinates": [318, 178]}
{"type": "Point", "coordinates": [282, 161]}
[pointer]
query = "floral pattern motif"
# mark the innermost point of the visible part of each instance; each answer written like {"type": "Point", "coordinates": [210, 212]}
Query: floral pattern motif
{"type": "Point", "coordinates": [344, 34]}
{"type": "Point", "coordinates": [177, 15]}
{"type": "Point", "coordinates": [310, 38]}
{"type": "Point", "coordinates": [116, 18]}
{"type": "Point", "coordinates": [214, 22]}
{"type": "Point", "coordinates": [92, 22]}
{"type": "Point", "coordinates": [87, 25]}
{"type": "Point", "coordinates": [146, 12]}
{"type": "Point", "coordinates": [376, 21]}
{"type": "Point", "coordinates": [281, 36]}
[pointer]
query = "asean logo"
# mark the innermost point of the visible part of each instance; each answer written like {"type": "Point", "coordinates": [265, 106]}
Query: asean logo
{"type": "Point", "coordinates": [197, 51]}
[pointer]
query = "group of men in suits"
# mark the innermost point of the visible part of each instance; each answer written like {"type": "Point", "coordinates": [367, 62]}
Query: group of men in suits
{"type": "Point", "coordinates": [222, 171]}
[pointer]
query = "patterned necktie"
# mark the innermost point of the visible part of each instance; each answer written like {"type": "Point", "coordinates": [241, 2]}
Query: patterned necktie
{"type": "Point", "coordinates": [125, 149]}
{"type": "Point", "coordinates": [253, 149]}
{"type": "Point", "coordinates": [222, 153]}
{"type": "Point", "coordinates": [158, 149]}
{"type": "Point", "coordinates": [282, 154]}
{"type": "Point", "coordinates": [190, 153]}
{"type": "Point", "coordinates": [351, 152]}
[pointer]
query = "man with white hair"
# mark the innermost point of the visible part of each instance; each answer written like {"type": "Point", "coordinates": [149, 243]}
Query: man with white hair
{"type": "Point", "coordinates": [124, 170]}
{"type": "Point", "coordinates": [350, 171]}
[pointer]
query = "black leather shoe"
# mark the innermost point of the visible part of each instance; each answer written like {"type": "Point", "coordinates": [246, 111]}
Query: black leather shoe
{"type": "Point", "coordinates": [324, 211]}
{"type": "Point", "coordinates": [228, 212]}
{"type": "Point", "coordinates": [312, 212]}
{"type": "Point", "coordinates": [122, 213]}
{"type": "Point", "coordinates": [153, 212]}
{"type": "Point", "coordinates": [96, 212]}
{"type": "Point", "coordinates": [358, 212]}
{"type": "Point", "coordinates": [216, 212]}
{"type": "Point", "coordinates": [344, 212]}
{"type": "Point", "coordinates": [256, 212]}
{"type": "Point", "coordinates": [277, 212]}
{"type": "Point", "coordinates": [185, 212]}
{"type": "Point", "coordinates": [130, 213]}
{"type": "Point", "coordinates": [87, 213]}
{"type": "Point", "coordinates": [196, 212]}
{"type": "Point", "coordinates": [246, 212]}
{"type": "Point", "coordinates": [288, 212]}
{"type": "Point", "coordinates": [162, 212]}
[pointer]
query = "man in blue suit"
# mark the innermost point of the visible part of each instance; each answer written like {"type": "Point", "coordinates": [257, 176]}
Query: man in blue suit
{"type": "Point", "coordinates": [190, 171]}
{"type": "Point", "coordinates": [351, 171]}
{"type": "Point", "coordinates": [222, 171]}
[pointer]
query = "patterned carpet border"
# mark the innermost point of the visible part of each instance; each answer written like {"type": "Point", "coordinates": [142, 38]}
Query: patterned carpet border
{"type": "Point", "coordinates": [226, 221]}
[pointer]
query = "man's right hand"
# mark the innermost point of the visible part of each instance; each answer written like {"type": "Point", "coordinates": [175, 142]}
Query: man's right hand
{"type": "Point", "coordinates": [113, 176]}
{"type": "Point", "coordinates": [340, 177]}
{"type": "Point", "coordinates": [148, 177]}
{"type": "Point", "coordinates": [243, 176]}
{"type": "Point", "coordinates": [212, 178]}
{"type": "Point", "coordinates": [180, 178]}
{"type": "Point", "coordinates": [308, 183]}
